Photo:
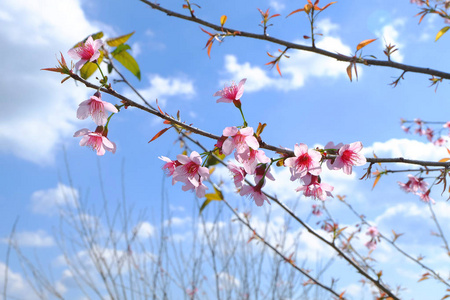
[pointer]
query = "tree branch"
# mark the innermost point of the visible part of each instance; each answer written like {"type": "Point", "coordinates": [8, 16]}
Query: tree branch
{"type": "Point", "coordinates": [337, 56]}
{"type": "Point", "coordinates": [263, 145]}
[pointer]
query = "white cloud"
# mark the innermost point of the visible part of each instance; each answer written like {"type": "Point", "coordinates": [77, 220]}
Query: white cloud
{"type": "Point", "coordinates": [277, 5]}
{"type": "Point", "coordinates": [174, 221]}
{"type": "Point", "coordinates": [145, 230]}
{"type": "Point", "coordinates": [228, 282]}
{"type": "Point", "coordinates": [136, 49]}
{"type": "Point", "coordinates": [311, 248]}
{"type": "Point", "coordinates": [48, 202]}
{"type": "Point", "coordinates": [326, 27]}
{"type": "Point", "coordinates": [389, 34]}
{"type": "Point", "coordinates": [17, 288]}
{"type": "Point", "coordinates": [176, 208]}
{"type": "Point", "coordinates": [405, 148]}
{"type": "Point", "coordinates": [404, 210]}
{"type": "Point", "coordinates": [429, 28]}
{"type": "Point", "coordinates": [38, 112]}
{"type": "Point", "coordinates": [300, 67]}
{"type": "Point", "coordinates": [39, 238]}
{"type": "Point", "coordinates": [163, 87]}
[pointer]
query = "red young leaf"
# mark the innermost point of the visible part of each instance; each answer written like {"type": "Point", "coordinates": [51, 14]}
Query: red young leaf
{"type": "Point", "coordinates": [349, 71]}
{"type": "Point", "coordinates": [160, 133]}
{"type": "Point", "coordinates": [278, 68]}
{"type": "Point", "coordinates": [376, 180]}
{"type": "Point", "coordinates": [364, 43]}
{"type": "Point", "coordinates": [328, 5]}
{"type": "Point", "coordinates": [295, 11]}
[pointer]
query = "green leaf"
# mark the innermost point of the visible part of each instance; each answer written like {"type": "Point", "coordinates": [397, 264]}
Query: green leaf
{"type": "Point", "coordinates": [89, 68]}
{"type": "Point", "coordinates": [128, 62]}
{"type": "Point", "coordinates": [212, 160]}
{"type": "Point", "coordinates": [114, 42]}
{"type": "Point", "coordinates": [205, 204]}
{"type": "Point", "coordinates": [120, 48]}
{"type": "Point", "coordinates": [216, 196]}
{"type": "Point", "coordinates": [441, 32]}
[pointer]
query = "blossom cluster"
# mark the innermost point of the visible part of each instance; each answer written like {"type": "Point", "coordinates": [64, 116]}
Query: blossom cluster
{"type": "Point", "coordinates": [419, 127]}
{"type": "Point", "coordinates": [374, 238]}
{"type": "Point", "coordinates": [417, 186]}
{"type": "Point", "coordinates": [189, 170]}
{"type": "Point", "coordinates": [305, 166]}
{"type": "Point", "coordinates": [94, 107]}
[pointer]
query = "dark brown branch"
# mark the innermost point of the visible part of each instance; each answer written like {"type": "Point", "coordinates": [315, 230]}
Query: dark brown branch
{"type": "Point", "coordinates": [339, 57]}
{"type": "Point", "coordinates": [129, 102]}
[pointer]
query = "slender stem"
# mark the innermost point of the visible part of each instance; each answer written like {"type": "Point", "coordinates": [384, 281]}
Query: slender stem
{"type": "Point", "coordinates": [101, 72]}
{"type": "Point", "coordinates": [131, 86]}
{"type": "Point", "coordinates": [107, 122]}
{"type": "Point", "coordinates": [311, 21]}
{"type": "Point", "coordinates": [242, 114]}
{"type": "Point", "coordinates": [441, 233]}
{"type": "Point", "coordinates": [392, 243]}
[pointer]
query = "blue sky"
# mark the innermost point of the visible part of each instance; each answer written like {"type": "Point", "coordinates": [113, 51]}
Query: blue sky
{"type": "Point", "coordinates": [313, 103]}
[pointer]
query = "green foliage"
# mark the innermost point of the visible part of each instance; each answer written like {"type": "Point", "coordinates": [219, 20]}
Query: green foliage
{"type": "Point", "coordinates": [126, 60]}
{"type": "Point", "coordinates": [114, 42]}
{"type": "Point", "coordinates": [89, 68]}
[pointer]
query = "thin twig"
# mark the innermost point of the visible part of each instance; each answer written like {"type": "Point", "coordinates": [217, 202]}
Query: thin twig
{"type": "Point", "coordinates": [337, 56]}
{"type": "Point", "coordinates": [313, 232]}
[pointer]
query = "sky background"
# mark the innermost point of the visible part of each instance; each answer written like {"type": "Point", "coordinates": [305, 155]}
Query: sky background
{"type": "Point", "coordinates": [313, 102]}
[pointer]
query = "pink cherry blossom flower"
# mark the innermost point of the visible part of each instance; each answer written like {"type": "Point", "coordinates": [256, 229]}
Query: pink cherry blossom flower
{"type": "Point", "coordinates": [348, 156]}
{"type": "Point", "coordinates": [170, 166]}
{"type": "Point", "coordinates": [260, 171]}
{"type": "Point", "coordinates": [190, 169]}
{"type": "Point", "coordinates": [328, 227]}
{"type": "Point", "coordinates": [231, 93]}
{"type": "Point", "coordinates": [406, 129]}
{"type": "Point", "coordinates": [255, 193]}
{"type": "Point", "coordinates": [374, 234]}
{"type": "Point", "coordinates": [429, 133]}
{"type": "Point", "coordinates": [241, 140]}
{"type": "Point", "coordinates": [86, 52]}
{"type": "Point", "coordinates": [200, 189]}
{"type": "Point", "coordinates": [371, 245]}
{"type": "Point", "coordinates": [314, 189]}
{"type": "Point", "coordinates": [96, 108]}
{"type": "Point", "coordinates": [251, 158]}
{"type": "Point", "coordinates": [419, 131]}
{"type": "Point", "coordinates": [191, 293]}
{"type": "Point", "coordinates": [328, 146]}
{"type": "Point", "coordinates": [96, 140]}
{"type": "Point", "coordinates": [425, 197]}
{"type": "Point", "coordinates": [440, 141]}
{"type": "Point", "coordinates": [414, 185]}
{"type": "Point", "coordinates": [372, 231]}
{"type": "Point", "coordinates": [219, 143]}
{"type": "Point", "coordinates": [304, 161]}
{"type": "Point", "coordinates": [238, 174]}
{"type": "Point", "coordinates": [316, 210]}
